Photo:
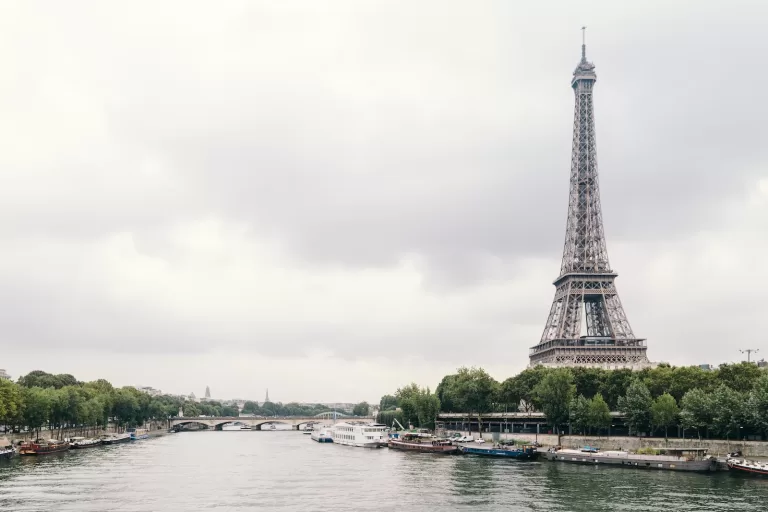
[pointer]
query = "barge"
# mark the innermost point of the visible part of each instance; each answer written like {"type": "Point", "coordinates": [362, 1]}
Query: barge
{"type": "Point", "coordinates": [519, 453]}
{"type": "Point", "coordinates": [674, 459]}
{"type": "Point", "coordinates": [43, 447]}
{"type": "Point", "coordinates": [420, 443]}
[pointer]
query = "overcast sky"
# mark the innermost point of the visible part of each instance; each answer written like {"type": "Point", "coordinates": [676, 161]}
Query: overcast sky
{"type": "Point", "coordinates": [332, 199]}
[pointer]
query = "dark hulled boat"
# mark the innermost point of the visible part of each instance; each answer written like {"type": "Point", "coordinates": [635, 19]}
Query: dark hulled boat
{"type": "Point", "coordinates": [43, 447]}
{"type": "Point", "coordinates": [747, 467]}
{"type": "Point", "coordinates": [519, 453]}
{"type": "Point", "coordinates": [421, 443]}
{"type": "Point", "coordinates": [116, 438]}
{"type": "Point", "coordinates": [79, 443]}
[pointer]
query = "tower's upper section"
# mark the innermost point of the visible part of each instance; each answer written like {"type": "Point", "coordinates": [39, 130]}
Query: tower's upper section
{"type": "Point", "coordinates": [585, 70]}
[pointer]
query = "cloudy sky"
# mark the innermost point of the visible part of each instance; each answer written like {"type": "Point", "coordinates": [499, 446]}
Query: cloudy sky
{"type": "Point", "coordinates": [332, 199]}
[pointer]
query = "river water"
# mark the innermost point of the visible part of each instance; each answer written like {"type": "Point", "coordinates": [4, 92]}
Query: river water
{"type": "Point", "coordinates": [239, 471]}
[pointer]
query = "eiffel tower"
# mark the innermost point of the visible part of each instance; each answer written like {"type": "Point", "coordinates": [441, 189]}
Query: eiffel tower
{"type": "Point", "coordinates": [585, 291]}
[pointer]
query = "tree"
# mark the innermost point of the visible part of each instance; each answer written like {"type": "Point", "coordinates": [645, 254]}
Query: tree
{"type": "Point", "coordinates": [518, 391]}
{"type": "Point", "coordinates": [636, 406]}
{"type": "Point", "coordinates": [739, 377]}
{"type": "Point", "coordinates": [418, 405]}
{"type": "Point", "coordinates": [588, 381]}
{"type": "Point", "coordinates": [658, 380]}
{"type": "Point", "coordinates": [442, 392]}
{"type": "Point", "coordinates": [472, 390]}
{"type": "Point", "coordinates": [599, 413]}
{"type": "Point", "coordinates": [664, 412]}
{"type": "Point", "coordinates": [579, 413]}
{"type": "Point", "coordinates": [361, 409]}
{"type": "Point", "coordinates": [37, 407]}
{"type": "Point", "coordinates": [555, 393]}
{"type": "Point", "coordinates": [727, 410]}
{"type": "Point", "coordinates": [250, 407]}
{"type": "Point", "coordinates": [616, 384]}
{"type": "Point", "coordinates": [686, 378]}
{"type": "Point", "coordinates": [11, 402]}
{"type": "Point", "coordinates": [696, 410]}
{"type": "Point", "coordinates": [388, 403]}
{"type": "Point", "coordinates": [757, 404]}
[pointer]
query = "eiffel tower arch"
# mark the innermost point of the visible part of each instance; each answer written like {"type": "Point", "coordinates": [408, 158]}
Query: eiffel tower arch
{"type": "Point", "coordinates": [585, 290]}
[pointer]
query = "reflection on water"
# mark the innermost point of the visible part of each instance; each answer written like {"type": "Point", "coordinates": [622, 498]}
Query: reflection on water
{"type": "Point", "coordinates": [237, 471]}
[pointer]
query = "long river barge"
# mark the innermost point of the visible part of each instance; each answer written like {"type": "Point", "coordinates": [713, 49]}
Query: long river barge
{"type": "Point", "coordinates": [674, 459]}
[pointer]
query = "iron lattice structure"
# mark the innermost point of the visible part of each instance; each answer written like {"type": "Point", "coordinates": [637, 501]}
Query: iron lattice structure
{"type": "Point", "coordinates": [585, 290]}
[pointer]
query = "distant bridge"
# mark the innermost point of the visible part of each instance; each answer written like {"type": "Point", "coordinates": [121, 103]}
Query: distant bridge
{"type": "Point", "coordinates": [256, 422]}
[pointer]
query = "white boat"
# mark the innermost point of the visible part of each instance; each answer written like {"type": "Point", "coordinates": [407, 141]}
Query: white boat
{"type": "Point", "coordinates": [366, 435]}
{"type": "Point", "coordinates": [235, 427]}
{"type": "Point", "coordinates": [322, 435]}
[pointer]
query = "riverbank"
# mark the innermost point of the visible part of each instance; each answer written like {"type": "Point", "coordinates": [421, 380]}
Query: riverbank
{"type": "Point", "coordinates": [153, 430]}
{"type": "Point", "coordinates": [717, 447]}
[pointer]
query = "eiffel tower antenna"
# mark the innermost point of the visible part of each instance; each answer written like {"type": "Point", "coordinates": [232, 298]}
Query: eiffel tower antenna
{"type": "Point", "coordinates": [585, 290]}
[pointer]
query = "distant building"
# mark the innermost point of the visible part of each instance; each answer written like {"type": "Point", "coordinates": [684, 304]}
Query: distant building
{"type": "Point", "coordinates": [706, 367]}
{"type": "Point", "coordinates": [4, 374]}
{"type": "Point", "coordinates": [149, 390]}
{"type": "Point", "coordinates": [207, 392]}
{"type": "Point", "coordinates": [192, 397]}
{"type": "Point", "coordinates": [760, 364]}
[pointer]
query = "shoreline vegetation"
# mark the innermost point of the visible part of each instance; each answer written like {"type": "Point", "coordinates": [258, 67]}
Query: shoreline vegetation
{"type": "Point", "coordinates": [730, 402]}
{"type": "Point", "coordinates": [59, 405]}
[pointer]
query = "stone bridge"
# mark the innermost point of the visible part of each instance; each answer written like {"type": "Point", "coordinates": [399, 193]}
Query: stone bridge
{"type": "Point", "coordinates": [256, 422]}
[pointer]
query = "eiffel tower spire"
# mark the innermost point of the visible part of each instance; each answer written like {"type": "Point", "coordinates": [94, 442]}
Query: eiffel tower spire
{"type": "Point", "coordinates": [585, 289]}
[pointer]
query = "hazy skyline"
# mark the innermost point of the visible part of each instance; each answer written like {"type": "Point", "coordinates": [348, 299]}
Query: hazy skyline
{"type": "Point", "coordinates": [335, 199]}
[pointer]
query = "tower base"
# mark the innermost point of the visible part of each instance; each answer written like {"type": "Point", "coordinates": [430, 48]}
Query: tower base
{"type": "Point", "coordinates": [630, 354]}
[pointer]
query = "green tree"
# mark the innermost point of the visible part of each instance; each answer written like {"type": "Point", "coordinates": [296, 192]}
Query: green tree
{"type": "Point", "coordinates": [757, 404]}
{"type": "Point", "coordinates": [250, 407]}
{"type": "Point", "coordinates": [686, 378]}
{"type": "Point", "coordinates": [446, 404]}
{"type": "Point", "coordinates": [658, 380]}
{"type": "Point", "coordinates": [388, 417]}
{"type": "Point", "coordinates": [616, 384]}
{"type": "Point", "coordinates": [696, 410]}
{"type": "Point", "coordinates": [555, 393]}
{"type": "Point", "coordinates": [739, 377]}
{"type": "Point", "coordinates": [599, 413]}
{"type": "Point", "coordinates": [388, 403]}
{"type": "Point", "coordinates": [664, 412]}
{"type": "Point", "coordinates": [518, 391]}
{"type": "Point", "coordinates": [579, 414]}
{"type": "Point", "coordinates": [37, 407]}
{"type": "Point", "coordinates": [472, 390]}
{"type": "Point", "coordinates": [727, 410]}
{"type": "Point", "coordinates": [636, 406]}
{"type": "Point", "coordinates": [589, 381]}
{"type": "Point", "coordinates": [11, 402]}
{"type": "Point", "coordinates": [361, 409]}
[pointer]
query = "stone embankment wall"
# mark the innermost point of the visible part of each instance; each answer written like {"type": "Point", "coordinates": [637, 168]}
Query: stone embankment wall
{"type": "Point", "coordinates": [715, 446]}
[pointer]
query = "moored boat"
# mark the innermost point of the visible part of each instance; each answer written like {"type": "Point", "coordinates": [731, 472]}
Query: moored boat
{"type": "Point", "coordinates": [78, 443]}
{"type": "Point", "coordinates": [6, 449]}
{"type": "Point", "coordinates": [747, 467]}
{"type": "Point", "coordinates": [137, 433]}
{"type": "Point", "coordinates": [421, 443]}
{"type": "Point", "coordinates": [116, 438]}
{"type": "Point", "coordinates": [322, 435]}
{"type": "Point", "coordinates": [367, 435]}
{"type": "Point", "coordinates": [674, 459]}
{"type": "Point", "coordinates": [518, 453]}
{"type": "Point", "coordinates": [235, 427]}
{"type": "Point", "coordinates": [43, 447]}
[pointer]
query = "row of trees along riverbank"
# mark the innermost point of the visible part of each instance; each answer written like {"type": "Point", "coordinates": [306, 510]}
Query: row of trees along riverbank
{"type": "Point", "coordinates": [43, 400]}
{"type": "Point", "coordinates": [728, 402]}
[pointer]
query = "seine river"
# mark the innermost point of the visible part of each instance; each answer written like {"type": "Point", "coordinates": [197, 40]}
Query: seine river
{"type": "Point", "coordinates": [238, 471]}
